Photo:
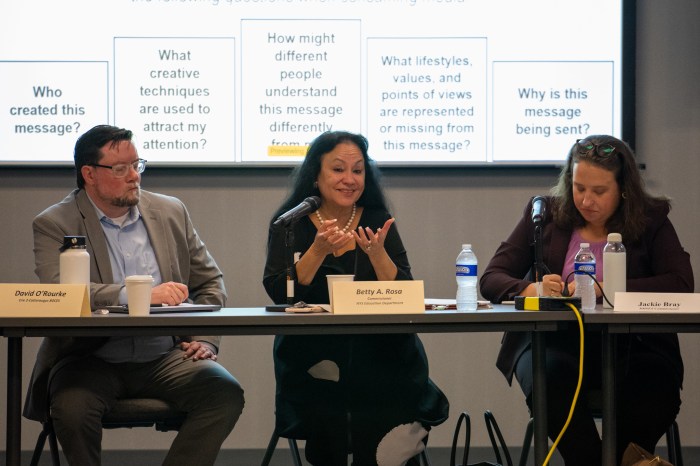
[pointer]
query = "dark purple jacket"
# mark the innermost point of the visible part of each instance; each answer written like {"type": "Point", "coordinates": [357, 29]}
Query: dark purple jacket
{"type": "Point", "coordinates": [655, 263]}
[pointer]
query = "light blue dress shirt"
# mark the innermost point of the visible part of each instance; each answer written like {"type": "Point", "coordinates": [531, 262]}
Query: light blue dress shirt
{"type": "Point", "coordinates": [131, 253]}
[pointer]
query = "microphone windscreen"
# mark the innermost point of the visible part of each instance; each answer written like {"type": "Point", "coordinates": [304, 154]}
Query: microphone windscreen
{"type": "Point", "coordinates": [313, 201]}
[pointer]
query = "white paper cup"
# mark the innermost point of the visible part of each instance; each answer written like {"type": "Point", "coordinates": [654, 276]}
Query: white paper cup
{"type": "Point", "coordinates": [138, 294]}
{"type": "Point", "coordinates": [336, 278]}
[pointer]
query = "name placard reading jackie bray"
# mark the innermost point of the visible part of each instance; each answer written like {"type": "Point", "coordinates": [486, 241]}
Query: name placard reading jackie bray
{"type": "Point", "coordinates": [379, 297]}
{"type": "Point", "coordinates": [43, 300]}
{"type": "Point", "coordinates": [657, 302]}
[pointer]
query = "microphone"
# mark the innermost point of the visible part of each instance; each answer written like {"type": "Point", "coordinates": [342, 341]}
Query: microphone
{"type": "Point", "coordinates": [306, 206]}
{"type": "Point", "coordinates": [539, 209]}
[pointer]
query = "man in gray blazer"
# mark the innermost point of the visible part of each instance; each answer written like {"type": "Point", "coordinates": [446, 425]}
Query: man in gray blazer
{"type": "Point", "coordinates": [130, 232]}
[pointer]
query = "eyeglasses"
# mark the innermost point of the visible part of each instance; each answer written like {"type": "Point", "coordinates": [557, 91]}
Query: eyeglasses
{"type": "Point", "coordinates": [584, 147]}
{"type": "Point", "coordinates": [120, 170]}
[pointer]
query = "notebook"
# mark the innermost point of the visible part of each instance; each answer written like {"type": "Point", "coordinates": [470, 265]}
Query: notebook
{"type": "Point", "coordinates": [184, 307]}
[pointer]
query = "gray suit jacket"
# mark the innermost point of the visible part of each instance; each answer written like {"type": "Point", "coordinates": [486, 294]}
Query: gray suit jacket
{"type": "Point", "coordinates": [181, 255]}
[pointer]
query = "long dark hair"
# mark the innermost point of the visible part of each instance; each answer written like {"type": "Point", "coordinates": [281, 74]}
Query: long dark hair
{"type": "Point", "coordinates": [304, 176]}
{"type": "Point", "coordinates": [630, 217]}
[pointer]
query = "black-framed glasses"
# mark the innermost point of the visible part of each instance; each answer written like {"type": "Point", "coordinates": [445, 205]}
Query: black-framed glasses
{"type": "Point", "coordinates": [120, 170]}
{"type": "Point", "coordinates": [584, 147]}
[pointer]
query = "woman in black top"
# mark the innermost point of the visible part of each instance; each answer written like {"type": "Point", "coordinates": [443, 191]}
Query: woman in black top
{"type": "Point", "coordinates": [365, 394]}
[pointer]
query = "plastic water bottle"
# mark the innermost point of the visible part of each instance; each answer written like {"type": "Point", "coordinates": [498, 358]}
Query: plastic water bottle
{"type": "Point", "coordinates": [74, 261]}
{"type": "Point", "coordinates": [614, 268]}
{"type": "Point", "coordinates": [585, 287]}
{"type": "Point", "coordinates": [466, 279]}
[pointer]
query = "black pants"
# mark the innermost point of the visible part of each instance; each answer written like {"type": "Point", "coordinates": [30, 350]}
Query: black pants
{"type": "Point", "coordinates": [648, 395]}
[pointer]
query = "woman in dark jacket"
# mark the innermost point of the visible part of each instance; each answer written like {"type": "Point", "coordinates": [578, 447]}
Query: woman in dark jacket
{"type": "Point", "coordinates": [600, 191]}
{"type": "Point", "coordinates": [369, 394]}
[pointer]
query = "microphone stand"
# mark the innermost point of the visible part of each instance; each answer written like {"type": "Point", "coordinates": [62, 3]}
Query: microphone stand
{"type": "Point", "coordinates": [539, 267]}
{"type": "Point", "coordinates": [289, 258]}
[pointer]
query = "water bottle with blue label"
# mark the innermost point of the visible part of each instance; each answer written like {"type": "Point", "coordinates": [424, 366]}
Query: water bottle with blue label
{"type": "Point", "coordinates": [584, 264]}
{"type": "Point", "coordinates": [466, 279]}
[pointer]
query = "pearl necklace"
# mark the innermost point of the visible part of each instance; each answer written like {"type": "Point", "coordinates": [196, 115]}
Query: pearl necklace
{"type": "Point", "coordinates": [347, 225]}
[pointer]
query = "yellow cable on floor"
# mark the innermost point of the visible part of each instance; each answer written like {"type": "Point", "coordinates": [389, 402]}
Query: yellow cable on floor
{"type": "Point", "coordinates": [578, 386]}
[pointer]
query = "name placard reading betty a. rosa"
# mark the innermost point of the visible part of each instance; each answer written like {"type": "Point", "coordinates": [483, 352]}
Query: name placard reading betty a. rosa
{"type": "Point", "coordinates": [43, 300]}
{"type": "Point", "coordinates": [657, 302]}
{"type": "Point", "coordinates": [378, 297]}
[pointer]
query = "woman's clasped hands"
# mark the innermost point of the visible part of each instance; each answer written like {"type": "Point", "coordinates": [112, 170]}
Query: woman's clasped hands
{"type": "Point", "coordinates": [330, 238]}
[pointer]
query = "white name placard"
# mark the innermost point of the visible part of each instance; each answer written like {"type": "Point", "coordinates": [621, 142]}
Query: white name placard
{"type": "Point", "coordinates": [43, 300]}
{"type": "Point", "coordinates": [657, 302]}
{"type": "Point", "coordinates": [378, 297]}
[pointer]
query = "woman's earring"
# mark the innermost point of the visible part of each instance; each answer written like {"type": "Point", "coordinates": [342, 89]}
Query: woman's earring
{"type": "Point", "coordinates": [624, 195]}
{"type": "Point", "coordinates": [316, 185]}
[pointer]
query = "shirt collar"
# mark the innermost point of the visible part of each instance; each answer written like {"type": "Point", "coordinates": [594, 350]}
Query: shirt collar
{"type": "Point", "coordinates": [133, 215]}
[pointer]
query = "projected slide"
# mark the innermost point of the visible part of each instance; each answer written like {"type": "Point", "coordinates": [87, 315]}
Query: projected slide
{"type": "Point", "coordinates": [252, 82]}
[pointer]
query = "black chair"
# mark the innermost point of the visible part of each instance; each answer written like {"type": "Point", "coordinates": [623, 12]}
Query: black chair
{"type": "Point", "coordinates": [673, 439]}
{"type": "Point", "coordinates": [129, 412]}
{"type": "Point", "coordinates": [296, 458]}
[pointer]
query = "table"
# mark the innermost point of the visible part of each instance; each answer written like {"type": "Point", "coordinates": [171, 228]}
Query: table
{"type": "Point", "coordinates": [615, 323]}
{"type": "Point", "coordinates": [256, 321]}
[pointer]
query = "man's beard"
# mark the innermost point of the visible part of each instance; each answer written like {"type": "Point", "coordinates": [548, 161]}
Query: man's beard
{"type": "Point", "coordinates": [127, 201]}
